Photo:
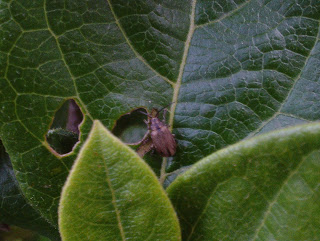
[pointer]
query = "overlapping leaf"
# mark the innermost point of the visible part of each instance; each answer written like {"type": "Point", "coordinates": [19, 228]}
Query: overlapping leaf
{"type": "Point", "coordinates": [266, 188]}
{"type": "Point", "coordinates": [111, 194]}
{"type": "Point", "coordinates": [233, 69]}
{"type": "Point", "coordinates": [14, 208]}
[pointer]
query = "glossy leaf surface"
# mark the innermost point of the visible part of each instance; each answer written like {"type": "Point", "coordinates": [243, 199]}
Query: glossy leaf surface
{"type": "Point", "coordinates": [265, 188]}
{"type": "Point", "coordinates": [112, 194]}
{"type": "Point", "coordinates": [232, 68]}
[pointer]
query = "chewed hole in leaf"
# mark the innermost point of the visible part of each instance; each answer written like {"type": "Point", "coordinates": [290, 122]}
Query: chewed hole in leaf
{"type": "Point", "coordinates": [64, 130]}
{"type": "Point", "coordinates": [130, 127]}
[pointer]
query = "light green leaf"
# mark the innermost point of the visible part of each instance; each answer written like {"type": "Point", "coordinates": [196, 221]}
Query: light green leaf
{"type": "Point", "coordinates": [111, 194]}
{"type": "Point", "coordinates": [265, 188]}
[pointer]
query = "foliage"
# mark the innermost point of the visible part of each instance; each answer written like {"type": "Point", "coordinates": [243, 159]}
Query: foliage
{"type": "Point", "coordinates": [233, 70]}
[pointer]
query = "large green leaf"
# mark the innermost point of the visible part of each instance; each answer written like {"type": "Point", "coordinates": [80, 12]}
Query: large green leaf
{"type": "Point", "coordinates": [232, 69]}
{"type": "Point", "coordinates": [111, 194]}
{"type": "Point", "coordinates": [265, 188]}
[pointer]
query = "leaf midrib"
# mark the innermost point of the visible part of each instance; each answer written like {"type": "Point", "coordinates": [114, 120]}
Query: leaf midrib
{"type": "Point", "coordinates": [183, 63]}
{"type": "Point", "coordinates": [270, 204]}
{"type": "Point", "coordinates": [114, 201]}
{"type": "Point", "coordinates": [275, 199]}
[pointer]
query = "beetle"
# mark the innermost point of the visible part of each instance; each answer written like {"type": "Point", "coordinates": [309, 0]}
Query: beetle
{"type": "Point", "coordinates": [162, 139]}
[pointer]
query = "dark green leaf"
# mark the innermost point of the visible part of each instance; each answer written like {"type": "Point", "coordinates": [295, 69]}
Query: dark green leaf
{"type": "Point", "coordinates": [14, 208]}
{"type": "Point", "coordinates": [232, 68]}
{"type": "Point", "coordinates": [249, 64]}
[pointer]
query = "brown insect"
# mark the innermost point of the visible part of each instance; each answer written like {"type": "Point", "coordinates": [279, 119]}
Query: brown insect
{"type": "Point", "coordinates": [159, 138]}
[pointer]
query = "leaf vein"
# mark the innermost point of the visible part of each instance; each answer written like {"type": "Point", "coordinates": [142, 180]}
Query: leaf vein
{"type": "Point", "coordinates": [114, 202]}
{"type": "Point", "coordinates": [132, 48]}
{"type": "Point", "coordinates": [63, 58]}
{"type": "Point", "coordinates": [224, 16]}
{"type": "Point", "coordinates": [271, 204]}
